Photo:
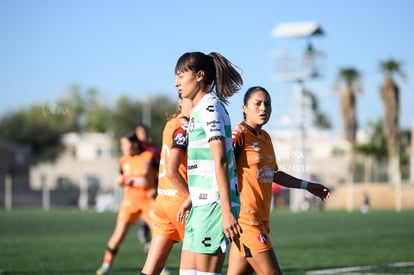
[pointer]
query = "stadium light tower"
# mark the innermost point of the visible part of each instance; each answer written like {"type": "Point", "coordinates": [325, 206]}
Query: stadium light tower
{"type": "Point", "coordinates": [297, 66]}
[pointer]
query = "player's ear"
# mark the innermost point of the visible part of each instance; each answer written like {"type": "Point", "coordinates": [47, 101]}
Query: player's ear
{"type": "Point", "coordinates": [200, 75]}
{"type": "Point", "coordinates": [244, 110]}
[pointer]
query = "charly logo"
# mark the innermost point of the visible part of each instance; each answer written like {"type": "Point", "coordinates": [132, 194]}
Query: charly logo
{"type": "Point", "coordinates": [210, 108]}
{"type": "Point", "coordinates": [255, 146]}
{"type": "Point", "coordinates": [206, 241]}
{"type": "Point", "coordinates": [50, 109]}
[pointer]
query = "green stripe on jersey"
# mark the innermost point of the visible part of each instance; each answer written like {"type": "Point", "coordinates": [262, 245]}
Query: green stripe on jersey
{"type": "Point", "coordinates": [227, 130]}
{"type": "Point", "coordinates": [200, 154]}
{"type": "Point", "coordinates": [201, 182]}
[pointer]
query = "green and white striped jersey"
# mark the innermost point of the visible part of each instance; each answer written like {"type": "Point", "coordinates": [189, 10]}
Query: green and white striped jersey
{"type": "Point", "coordinates": [209, 119]}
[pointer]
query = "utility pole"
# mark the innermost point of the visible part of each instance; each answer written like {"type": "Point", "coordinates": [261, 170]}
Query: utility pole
{"type": "Point", "coordinates": [298, 67]}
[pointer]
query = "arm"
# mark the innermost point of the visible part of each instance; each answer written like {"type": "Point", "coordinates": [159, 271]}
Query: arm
{"type": "Point", "coordinates": [238, 141]}
{"type": "Point", "coordinates": [287, 180]}
{"type": "Point", "coordinates": [230, 226]}
{"type": "Point", "coordinates": [121, 178]}
{"type": "Point", "coordinates": [121, 181]}
{"type": "Point", "coordinates": [173, 174]}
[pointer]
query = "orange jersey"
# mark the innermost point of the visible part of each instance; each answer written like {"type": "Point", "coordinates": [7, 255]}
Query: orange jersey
{"type": "Point", "coordinates": [174, 138]}
{"type": "Point", "coordinates": [138, 172]}
{"type": "Point", "coordinates": [139, 178]}
{"type": "Point", "coordinates": [256, 162]}
{"type": "Point", "coordinates": [169, 198]}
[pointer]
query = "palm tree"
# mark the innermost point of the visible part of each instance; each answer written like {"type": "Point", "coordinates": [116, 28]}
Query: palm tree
{"type": "Point", "coordinates": [320, 119]}
{"type": "Point", "coordinates": [390, 95]}
{"type": "Point", "coordinates": [348, 84]}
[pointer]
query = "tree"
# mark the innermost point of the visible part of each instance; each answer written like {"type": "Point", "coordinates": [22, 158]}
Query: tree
{"type": "Point", "coordinates": [390, 95]}
{"type": "Point", "coordinates": [125, 116]}
{"type": "Point", "coordinates": [42, 125]}
{"type": "Point", "coordinates": [320, 119]}
{"type": "Point", "coordinates": [128, 113]}
{"type": "Point", "coordinates": [87, 109]}
{"type": "Point", "coordinates": [348, 83]}
{"type": "Point", "coordinates": [377, 145]}
{"type": "Point", "coordinates": [39, 126]}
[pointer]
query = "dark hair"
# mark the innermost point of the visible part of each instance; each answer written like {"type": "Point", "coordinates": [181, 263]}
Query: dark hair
{"type": "Point", "coordinates": [219, 72]}
{"type": "Point", "coordinates": [132, 137]}
{"type": "Point", "coordinates": [136, 145]}
{"type": "Point", "coordinates": [251, 91]}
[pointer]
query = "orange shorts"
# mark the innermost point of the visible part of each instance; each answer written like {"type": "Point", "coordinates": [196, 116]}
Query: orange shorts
{"type": "Point", "coordinates": [255, 237]}
{"type": "Point", "coordinates": [135, 205]}
{"type": "Point", "coordinates": [165, 220]}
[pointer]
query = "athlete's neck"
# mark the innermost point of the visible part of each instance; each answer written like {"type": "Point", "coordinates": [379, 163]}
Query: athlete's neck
{"type": "Point", "coordinates": [256, 131]}
{"type": "Point", "coordinates": [199, 96]}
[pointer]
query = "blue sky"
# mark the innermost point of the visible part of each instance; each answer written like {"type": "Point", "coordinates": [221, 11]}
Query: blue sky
{"type": "Point", "coordinates": [130, 47]}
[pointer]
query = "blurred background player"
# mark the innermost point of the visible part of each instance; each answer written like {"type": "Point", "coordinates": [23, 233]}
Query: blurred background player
{"type": "Point", "coordinates": [138, 180]}
{"type": "Point", "coordinates": [142, 133]}
{"type": "Point", "coordinates": [173, 199]}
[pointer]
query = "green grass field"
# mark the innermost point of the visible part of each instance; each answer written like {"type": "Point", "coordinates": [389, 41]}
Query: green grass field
{"type": "Point", "coordinates": [72, 242]}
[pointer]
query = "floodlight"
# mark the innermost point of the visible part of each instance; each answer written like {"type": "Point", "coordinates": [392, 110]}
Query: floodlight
{"type": "Point", "coordinates": [297, 29]}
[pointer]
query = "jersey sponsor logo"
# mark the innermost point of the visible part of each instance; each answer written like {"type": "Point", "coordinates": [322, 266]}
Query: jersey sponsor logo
{"type": "Point", "coordinates": [180, 139]}
{"type": "Point", "coordinates": [210, 108]}
{"type": "Point", "coordinates": [165, 152]}
{"type": "Point", "coordinates": [214, 125]}
{"type": "Point", "coordinates": [212, 122]}
{"type": "Point", "coordinates": [192, 167]}
{"type": "Point", "coordinates": [262, 238]}
{"type": "Point", "coordinates": [202, 196]}
{"type": "Point", "coordinates": [167, 192]}
{"type": "Point", "coordinates": [258, 158]}
{"type": "Point", "coordinates": [206, 241]}
{"type": "Point", "coordinates": [264, 174]}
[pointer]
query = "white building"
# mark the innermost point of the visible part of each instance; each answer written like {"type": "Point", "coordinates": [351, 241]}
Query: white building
{"type": "Point", "coordinates": [89, 159]}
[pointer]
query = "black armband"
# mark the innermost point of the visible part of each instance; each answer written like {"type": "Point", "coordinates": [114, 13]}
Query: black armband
{"type": "Point", "coordinates": [216, 138]}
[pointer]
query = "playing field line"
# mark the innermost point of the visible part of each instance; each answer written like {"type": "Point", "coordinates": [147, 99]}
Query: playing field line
{"type": "Point", "coordinates": [354, 269]}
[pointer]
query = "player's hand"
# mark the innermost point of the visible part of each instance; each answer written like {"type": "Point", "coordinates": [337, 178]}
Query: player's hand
{"type": "Point", "coordinates": [152, 193]}
{"type": "Point", "coordinates": [121, 181]}
{"type": "Point", "coordinates": [319, 190]}
{"type": "Point", "coordinates": [184, 210]}
{"type": "Point", "coordinates": [231, 228]}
